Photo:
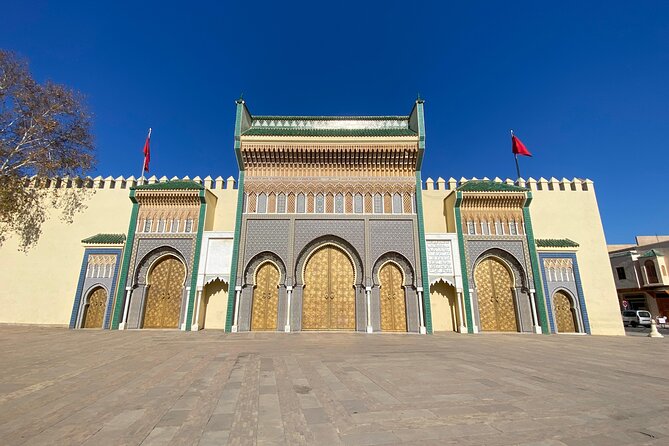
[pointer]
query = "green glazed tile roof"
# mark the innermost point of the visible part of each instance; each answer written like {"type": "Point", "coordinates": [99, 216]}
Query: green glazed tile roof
{"type": "Point", "coordinates": [556, 243]}
{"type": "Point", "coordinates": [652, 253]}
{"type": "Point", "coordinates": [105, 239]}
{"type": "Point", "coordinates": [171, 185]}
{"type": "Point", "coordinates": [330, 118]}
{"type": "Point", "coordinates": [489, 186]}
{"type": "Point", "coordinates": [279, 131]}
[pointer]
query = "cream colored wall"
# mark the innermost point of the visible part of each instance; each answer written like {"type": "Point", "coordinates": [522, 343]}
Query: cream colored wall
{"type": "Point", "coordinates": [226, 208]}
{"type": "Point", "coordinates": [442, 304]}
{"type": "Point", "coordinates": [575, 215]}
{"type": "Point", "coordinates": [216, 301]}
{"type": "Point", "coordinates": [434, 210]}
{"type": "Point", "coordinates": [38, 287]}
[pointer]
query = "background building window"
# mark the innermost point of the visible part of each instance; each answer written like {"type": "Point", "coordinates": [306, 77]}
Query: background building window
{"type": "Point", "coordinates": [320, 204]}
{"type": "Point", "coordinates": [397, 204]}
{"type": "Point", "coordinates": [262, 203]}
{"type": "Point", "coordinates": [339, 204]}
{"type": "Point", "coordinates": [621, 273]}
{"type": "Point", "coordinates": [358, 208]}
{"type": "Point", "coordinates": [300, 203]}
{"type": "Point", "coordinates": [281, 203]}
{"type": "Point", "coordinates": [378, 204]}
{"type": "Point", "coordinates": [650, 271]}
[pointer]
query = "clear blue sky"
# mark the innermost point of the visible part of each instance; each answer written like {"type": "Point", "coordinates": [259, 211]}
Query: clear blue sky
{"type": "Point", "coordinates": [585, 85]}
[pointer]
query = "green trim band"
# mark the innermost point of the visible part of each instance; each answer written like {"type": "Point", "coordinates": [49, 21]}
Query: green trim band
{"type": "Point", "coordinates": [127, 254]}
{"type": "Point", "coordinates": [463, 263]}
{"type": "Point", "coordinates": [235, 253]}
{"type": "Point", "coordinates": [196, 260]}
{"type": "Point", "coordinates": [423, 254]}
{"type": "Point", "coordinates": [534, 260]}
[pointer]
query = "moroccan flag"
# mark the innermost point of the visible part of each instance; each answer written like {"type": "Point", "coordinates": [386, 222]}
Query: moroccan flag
{"type": "Point", "coordinates": [517, 147]}
{"type": "Point", "coordinates": [147, 152]}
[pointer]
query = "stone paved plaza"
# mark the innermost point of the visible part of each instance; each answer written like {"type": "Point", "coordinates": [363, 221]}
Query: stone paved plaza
{"type": "Point", "coordinates": [61, 386]}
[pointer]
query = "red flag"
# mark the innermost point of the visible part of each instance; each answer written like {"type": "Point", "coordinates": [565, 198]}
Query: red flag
{"type": "Point", "coordinates": [518, 148]}
{"type": "Point", "coordinates": [147, 152]}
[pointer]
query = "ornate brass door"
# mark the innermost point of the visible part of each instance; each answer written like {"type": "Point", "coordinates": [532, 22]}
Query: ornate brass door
{"type": "Point", "coordinates": [95, 310]}
{"type": "Point", "coordinates": [265, 298]}
{"type": "Point", "coordinates": [564, 313]}
{"type": "Point", "coordinates": [328, 302]}
{"type": "Point", "coordinates": [163, 301]}
{"type": "Point", "coordinates": [493, 286]}
{"type": "Point", "coordinates": [393, 305]}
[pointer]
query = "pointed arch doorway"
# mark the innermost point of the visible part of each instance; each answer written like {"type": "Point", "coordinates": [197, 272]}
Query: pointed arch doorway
{"type": "Point", "coordinates": [329, 293]}
{"type": "Point", "coordinates": [265, 298]}
{"type": "Point", "coordinates": [95, 309]}
{"type": "Point", "coordinates": [163, 301]}
{"type": "Point", "coordinates": [392, 299]}
{"type": "Point", "coordinates": [494, 283]}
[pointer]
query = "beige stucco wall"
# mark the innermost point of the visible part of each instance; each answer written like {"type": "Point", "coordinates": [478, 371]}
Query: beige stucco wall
{"type": "Point", "coordinates": [575, 215]}
{"type": "Point", "coordinates": [443, 305]}
{"type": "Point", "coordinates": [38, 287]}
{"type": "Point", "coordinates": [434, 211]}
{"type": "Point", "coordinates": [225, 210]}
{"type": "Point", "coordinates": [216, 304]}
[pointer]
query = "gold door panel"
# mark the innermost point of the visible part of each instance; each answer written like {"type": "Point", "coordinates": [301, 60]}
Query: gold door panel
{"type": "Point", "coordinates": [328, 302]}
{"type": "Point", "coordinates": [163, 300]}
{"type": "Point", "coordinates": [265, 298]}
{"type": "Point", "coordinates": [393, 305]}
{"type": "Point", "coordinates": [95, 310]}
{"type": "Point", "coordinates": [496, 307]}
{"type": "Point", "coordinates": [564, 313]}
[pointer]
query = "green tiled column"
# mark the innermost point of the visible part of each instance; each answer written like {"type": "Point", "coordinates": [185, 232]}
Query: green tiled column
{"type": "Point", "coordinates": [127, 254]}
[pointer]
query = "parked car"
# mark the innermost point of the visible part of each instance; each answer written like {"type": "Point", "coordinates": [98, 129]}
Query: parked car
{"type": "Point", "coordinates": [636, 317]}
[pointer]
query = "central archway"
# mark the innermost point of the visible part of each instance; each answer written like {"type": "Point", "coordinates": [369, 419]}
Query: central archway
{"type": "Point", "coordinates": [163, 301]}
{"type": "Point", "coordinates": [494, 284]}
{"type": "Point", "coordinates": [329, 293]}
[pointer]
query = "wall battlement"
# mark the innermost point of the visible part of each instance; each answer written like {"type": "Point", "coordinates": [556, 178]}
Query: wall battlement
{"type": "Point", "coordinates": [124, 183]}
{"type": "Point", "coordinates": [542, 184]}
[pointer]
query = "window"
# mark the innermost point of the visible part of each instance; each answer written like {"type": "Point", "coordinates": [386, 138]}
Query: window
{"type": "Point", "coordinates": [161, 225]}
{"type": "Point", "coordinates": [189, 225]}
{"type": "Point", "coordinates": [300, 203]}
{"type": "Point", "coordinates": [650, 271]}
{"type": "Point", "coordinates": [320, 204]}
{"type": "Point", "coordinates": [471, 228]}
{"type": "Point", "coordinates": [485, 228]}
{"type": "Point", "coordinates": [339, 204]}
{"type": "Point", "coordinates": [281, 203]}
{"type": "Point", "coordinates": [358, 206]}
{"type": "Point", "coordinates": [147, 225]}
{"type": "Point", "coordinates": [378, 204]}
{"type": "Point", "coordinates": [621, 273]}
{"type": "Point", "coordinates": [397, 204]}
{"type": "Point", "coordinates": [262, 204]}
{"type": "Point", "coordinates": [175, 225]}
{"type": "Point", "coordinates": [513, 229]}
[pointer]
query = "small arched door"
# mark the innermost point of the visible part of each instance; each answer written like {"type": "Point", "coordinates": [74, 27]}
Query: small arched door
{"type": "Point", "coordinates": [265, 298]}
{"type": "Point", "coordinates": [163, 300]}
{"type": "Point", "coordinates": [393, 304]}
{"type": "Point", "coordinates": [494, 283]}
{"type": "Point", "coordinates": [94, 311]}
{"type": "Point", "coordinates": [565, 314]}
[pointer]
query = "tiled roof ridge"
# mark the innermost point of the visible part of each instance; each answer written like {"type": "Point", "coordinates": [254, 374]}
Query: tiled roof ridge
{"type": "Point", "coordinates": [330, 118]}
{"type": "Point", "coordinates": [556, 243]}
{"type": "Point", "coordinates": [105, 239]}
{"type": "Point", "coordinates": [283, 131]}
{"type": "Point", "coordinates": [170, 185]}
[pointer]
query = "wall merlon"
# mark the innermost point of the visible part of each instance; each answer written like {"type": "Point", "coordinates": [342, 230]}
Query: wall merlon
{"type": "Point", "coordinates": [542, 184]}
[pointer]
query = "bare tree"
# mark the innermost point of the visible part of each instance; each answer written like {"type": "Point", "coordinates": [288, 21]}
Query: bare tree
{"type": "Point", "coordinates": [44, 133]}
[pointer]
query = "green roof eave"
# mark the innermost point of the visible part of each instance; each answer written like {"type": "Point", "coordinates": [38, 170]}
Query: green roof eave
{"type": "Point", "coordinates": [263, 131]}
{"type": "Point", "coordinates": [489, 186]}
{"type": "Point", "coordinates": [556, 243]}
{"type": "Point", "coordinates": [105, 239]}
{"type": "Point", "coordinates": [652, 253]}
{"type": "Point", "coordinates": [170, 185]}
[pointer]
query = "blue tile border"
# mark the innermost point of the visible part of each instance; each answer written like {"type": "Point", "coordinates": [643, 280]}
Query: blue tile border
{"type": "Point", "coordinates": [82, 279]}
{"type": "Point", "coordinates": [577, 279]}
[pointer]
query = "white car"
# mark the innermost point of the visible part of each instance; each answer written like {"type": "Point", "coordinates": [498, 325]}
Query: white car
{"type": "Point", "coordinates": [636, 317]}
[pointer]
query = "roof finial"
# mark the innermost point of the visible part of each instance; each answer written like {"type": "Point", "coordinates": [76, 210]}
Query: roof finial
{"type": "Point", "coordinates": [419, 99]}
{"type": "Point", "coordinates": [241, 98]}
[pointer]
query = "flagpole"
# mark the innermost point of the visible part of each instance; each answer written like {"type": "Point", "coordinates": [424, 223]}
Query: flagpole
{"type": "Point", "coordinates": [144, 159]}
{"type": "Point", "coordinates": [515, 155]}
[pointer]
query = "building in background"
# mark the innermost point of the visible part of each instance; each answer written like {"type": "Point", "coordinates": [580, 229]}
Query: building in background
{"type": "Point", "coordinates": [640, 274]}
{"type": "Point", "coordinates": [329, 227]}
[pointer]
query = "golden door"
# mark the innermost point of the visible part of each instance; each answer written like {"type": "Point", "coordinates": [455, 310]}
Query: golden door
{"type": "Point", "coordinates": [95, 310]}
{"type": "Point", "coordinates": [163, 301]}
{"type": "Point", "coordinates": [564, 313]}
{"type": "Point", "coordinates": [393, 305]}
{"type": "Point", "coordinates": [493, 285]}
{"type": "Point", "coordinates": [328, 302]}
{"type": "Point", "coordinates": [265, 298]}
